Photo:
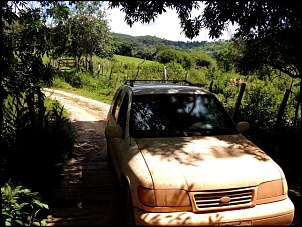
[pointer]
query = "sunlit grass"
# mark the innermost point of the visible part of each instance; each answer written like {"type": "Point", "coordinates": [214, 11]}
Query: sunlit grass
{"type": "Point", "coordinates": [104, 95]}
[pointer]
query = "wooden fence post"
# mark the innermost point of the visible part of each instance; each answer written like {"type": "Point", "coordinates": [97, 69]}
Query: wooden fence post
{"type": "Point", "coordinates": [59, 67]}
{"type": "Point", "coordinates": [282, 109]}
{"type": "Point", "coordinates": [165, 73]}
{"type": "Point", "coordinates": [187, 76]}
{"type": "Point", "coordinates": [117, 79]}
{"type": "Point", "coordinates": [211, 86]}
{"type": "Point", "coordinates": [238, 102]}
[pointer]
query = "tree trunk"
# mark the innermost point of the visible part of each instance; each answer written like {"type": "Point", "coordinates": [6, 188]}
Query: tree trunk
{"type": "Point", "coordinates": [91, 65]}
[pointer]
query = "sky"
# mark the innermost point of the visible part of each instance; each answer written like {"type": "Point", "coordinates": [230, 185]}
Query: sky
{"type": "Point", "coordinates": [166, 26]}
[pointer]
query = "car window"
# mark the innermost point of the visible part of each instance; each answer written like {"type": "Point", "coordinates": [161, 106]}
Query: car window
{"type": "Point", "coordinates": [117, 104]}
{"type": "Point", "coordinates": [121, 119]}
{"type": "Point", "coordinates": [179, 113]}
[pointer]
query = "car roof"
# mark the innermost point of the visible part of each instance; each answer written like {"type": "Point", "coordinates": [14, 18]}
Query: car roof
{"type": "Point", "coordinates": [165, 87]}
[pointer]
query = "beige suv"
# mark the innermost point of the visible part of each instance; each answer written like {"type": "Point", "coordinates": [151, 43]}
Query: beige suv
{"type": "Point", "coordinates": [181, 160]}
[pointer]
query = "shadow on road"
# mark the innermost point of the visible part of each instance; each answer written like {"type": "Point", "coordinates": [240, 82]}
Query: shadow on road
{"type": "Point", "coordinates": [88, 193]}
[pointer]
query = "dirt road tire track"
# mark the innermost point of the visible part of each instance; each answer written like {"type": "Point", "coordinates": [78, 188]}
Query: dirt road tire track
{"type": "Point", "coordinates": [88, 193]}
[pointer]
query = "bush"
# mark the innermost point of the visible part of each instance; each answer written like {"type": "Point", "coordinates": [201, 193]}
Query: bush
{"type": "Point", "coordinates": [20, 206]}
{"type": "Point", "coordinates": [32, 151]}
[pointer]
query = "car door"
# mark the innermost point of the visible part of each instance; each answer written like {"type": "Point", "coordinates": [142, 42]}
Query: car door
{"type": "Point", "coordinates": [118, 118]}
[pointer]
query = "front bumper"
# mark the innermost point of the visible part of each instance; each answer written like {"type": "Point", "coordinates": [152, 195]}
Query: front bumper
{"type": "Point", "coordinates": [278, 213]}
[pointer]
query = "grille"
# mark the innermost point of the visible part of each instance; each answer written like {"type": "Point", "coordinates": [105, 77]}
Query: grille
{"type": "Point", "coordinates": [212, 200]}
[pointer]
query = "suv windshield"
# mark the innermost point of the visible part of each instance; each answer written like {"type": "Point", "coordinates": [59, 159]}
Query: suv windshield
{"type": "Point", "coordinates": [160, 115]}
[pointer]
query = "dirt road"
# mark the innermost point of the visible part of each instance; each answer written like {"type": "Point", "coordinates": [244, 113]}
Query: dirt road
{"type": "Point", "coordinates": [88, 194]}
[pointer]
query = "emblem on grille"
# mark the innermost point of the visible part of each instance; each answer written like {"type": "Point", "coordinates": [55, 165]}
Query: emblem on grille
{"type": "Point", "coordinates": [225, 199]}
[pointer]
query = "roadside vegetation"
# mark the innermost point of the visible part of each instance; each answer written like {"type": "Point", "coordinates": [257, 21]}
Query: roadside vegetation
{"type": "Point", "coordinates": [21, 206]}
{"type": "Point", "coordinates": [36, 133]}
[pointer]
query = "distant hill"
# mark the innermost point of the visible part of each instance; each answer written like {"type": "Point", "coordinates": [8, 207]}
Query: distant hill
{"type": "Point", "coordinates": [150, 43]}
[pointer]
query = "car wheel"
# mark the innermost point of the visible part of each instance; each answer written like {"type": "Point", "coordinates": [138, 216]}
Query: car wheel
{"type": "Point", "coordinates": [128, 215]}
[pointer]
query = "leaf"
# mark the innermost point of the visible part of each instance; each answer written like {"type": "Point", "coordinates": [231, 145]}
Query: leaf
{"type": "Point", "coordinates": [22, 205]}
{"type": "Point", "coordinates": [37, 202]}
{"type": "Point", "coordinates": [7, 214]}
{"type": "Point", "coordinates": [20, 222]}
{"type": "Point", "coordinates": [8, 222]}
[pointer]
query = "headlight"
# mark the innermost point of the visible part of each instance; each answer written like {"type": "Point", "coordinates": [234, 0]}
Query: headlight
{"type": "Point", "coordinates": [272, 191]}
{"type": "Point", "coordinates": [163, 197]}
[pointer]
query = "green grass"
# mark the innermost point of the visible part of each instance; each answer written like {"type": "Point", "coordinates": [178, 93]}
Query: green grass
{"type": "Point", "coordinates": [133, 60]}
{"type": "Point", "coordinates": [50, 103]}
{"type": "Point", "coordinates": [60, 84]}
{"type": "Point", "coordinates": [105, 94]}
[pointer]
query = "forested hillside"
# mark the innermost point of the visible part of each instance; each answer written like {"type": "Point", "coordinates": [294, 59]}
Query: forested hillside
{"type": "Point", "coordinates": [143, 43]}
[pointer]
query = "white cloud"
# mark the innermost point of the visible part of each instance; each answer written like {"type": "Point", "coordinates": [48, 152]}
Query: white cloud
{"type": "Point", "coordinates": [166, 26]}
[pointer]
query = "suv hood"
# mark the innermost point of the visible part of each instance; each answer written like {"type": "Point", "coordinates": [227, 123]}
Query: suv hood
{"type": "Point", "coordinates": [202, 163]}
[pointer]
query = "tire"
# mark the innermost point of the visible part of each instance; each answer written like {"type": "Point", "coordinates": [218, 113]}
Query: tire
{"type": "Point", "coordinates": [128, 215]}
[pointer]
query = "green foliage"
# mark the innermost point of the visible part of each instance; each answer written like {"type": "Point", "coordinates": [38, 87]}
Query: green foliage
{"type": "Point", "coordinates": [97, 88]}
{"type": "Point", "coordinates": [21, 206]}
{"type": "Point", "coordinates": [34, 145]}
{"type": "Point", "coordinates": [226, 56]}
{"type": "Point", "coordinates": [60, 83]}
{"type": "Point", "coordinates": [122, 48]}
{"type": "Point", "coordinates": [175, 71]}
{"type": "Point", "coordinates": [167, 55]}
{"type": "Point", "coordinates": [83, 33]}
{"type": "Point", "coordinates": [24, 41]}
{"type": "Point", "coordinates": [201, 59]}
{"type": "Point", "coordinates": [60, 134]}
{"type": "Point", "coordinates": [260, 99]}
{"type": "Point", "coordinates": [72, 78]}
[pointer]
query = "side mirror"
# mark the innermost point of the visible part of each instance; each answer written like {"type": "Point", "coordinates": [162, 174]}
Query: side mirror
{"type": "Point", "coordinates": [114, 131]}
{"type": "Point", "coordinates": [243, 126]}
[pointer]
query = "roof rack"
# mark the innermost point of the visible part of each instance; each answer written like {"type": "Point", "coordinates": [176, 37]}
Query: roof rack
{"type": "Point", "coordinates": [131, 82]}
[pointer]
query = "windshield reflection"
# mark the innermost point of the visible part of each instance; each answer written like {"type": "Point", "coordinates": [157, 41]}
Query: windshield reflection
{"type": "Point", "coordinates": [179, 115]}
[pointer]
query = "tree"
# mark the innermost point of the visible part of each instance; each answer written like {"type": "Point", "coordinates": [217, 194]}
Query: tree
{"type": "Point", "coordinates": [123, 48]}
{"type": "Point", "coordinates": [227, 56]}
{"type": "Point", "coordinates": [23, 73]}
{"type": "Point", "coordinates": [201, 59]}
{"type": "Point", "coordinates": [84, 33]}
{"type": "Point", "coordinates": [168, 55]}
{"type": "Point", "coordinates": [23, 45]}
